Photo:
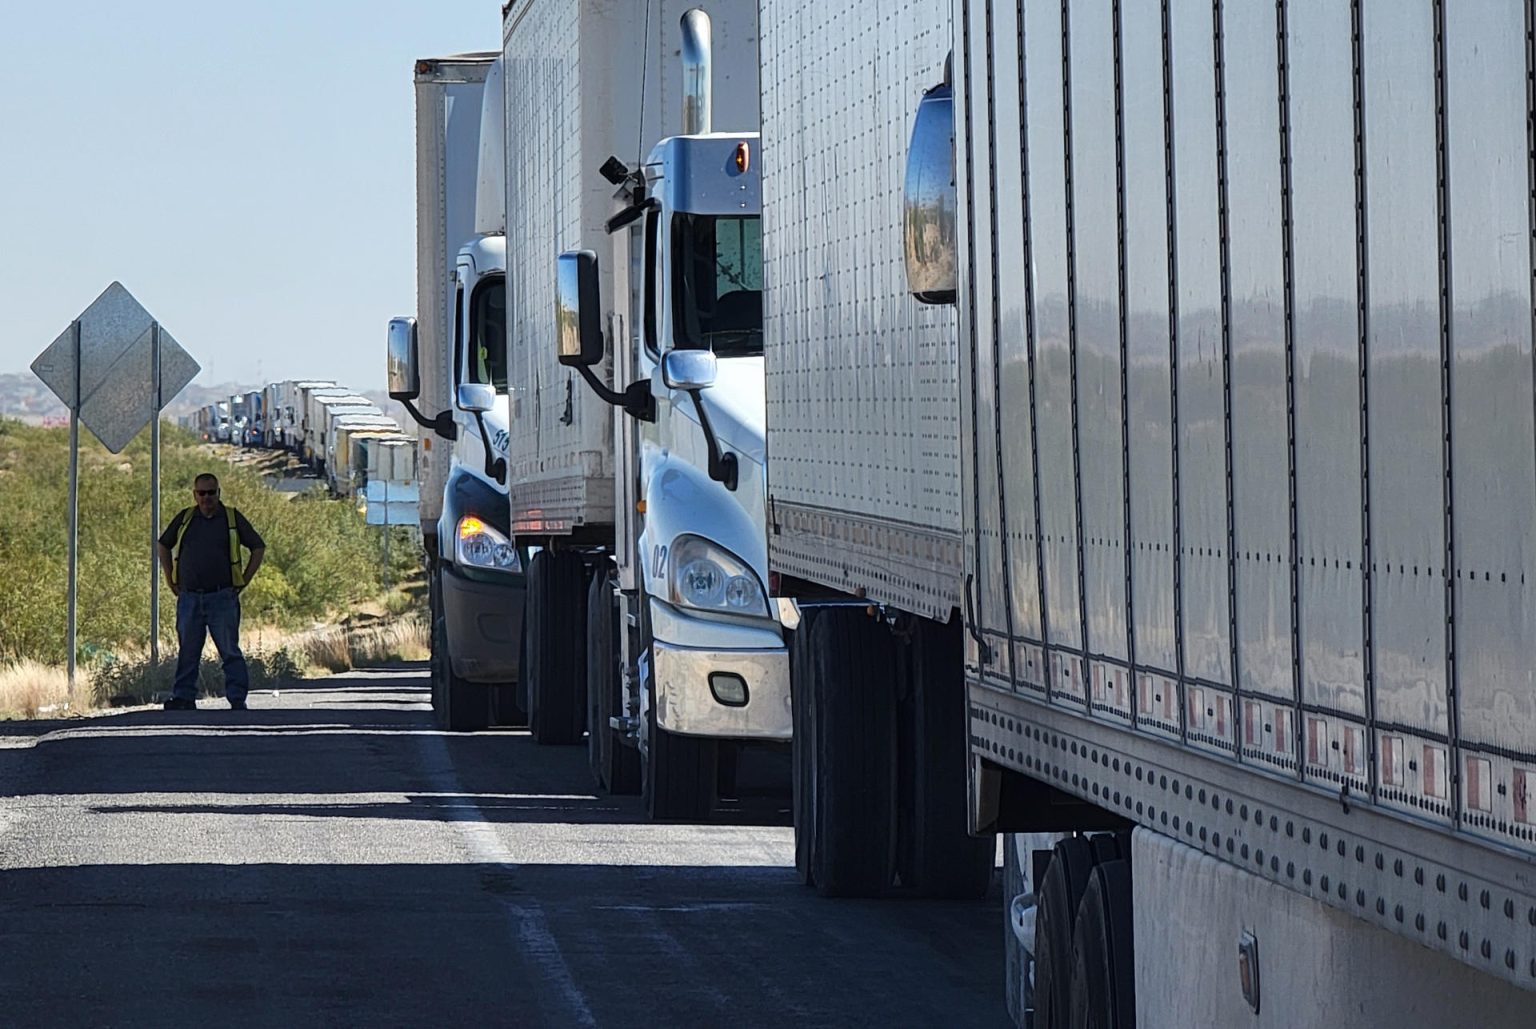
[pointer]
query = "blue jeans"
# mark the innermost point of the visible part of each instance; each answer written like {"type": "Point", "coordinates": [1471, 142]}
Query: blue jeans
{"type": "Point", "coordinates": [199, 615]}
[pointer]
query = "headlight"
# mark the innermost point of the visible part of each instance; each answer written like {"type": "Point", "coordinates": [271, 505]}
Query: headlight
{"type": "Point", "coordinates": [481, 546]}
{"type": "Point", "coordinates": [710, 577]}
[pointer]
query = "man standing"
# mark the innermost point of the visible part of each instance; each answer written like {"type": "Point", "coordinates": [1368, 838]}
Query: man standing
{"type": "Point", "coordinates": [200, 554]}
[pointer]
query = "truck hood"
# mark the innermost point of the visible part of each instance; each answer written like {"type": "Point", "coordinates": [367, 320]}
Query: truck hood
{"type": "Point", "coordinates": [496, 421]}
{"type": "Point", "coordinates": [736, 404]}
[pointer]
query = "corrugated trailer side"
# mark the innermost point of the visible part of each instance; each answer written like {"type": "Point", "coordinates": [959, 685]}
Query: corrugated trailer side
{"type": "Point", "coordinates": [1246, 305]}
{"type": "Point", "coordinates": [863, 420]}
{"type": "Point", "coordinates": [584, 80]}
{"type": "Point", "coordinates": [448, 96]}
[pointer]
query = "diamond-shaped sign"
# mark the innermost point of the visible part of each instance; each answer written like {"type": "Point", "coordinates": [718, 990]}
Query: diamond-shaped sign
{"type": "Point", "coordinates": [116, 370]}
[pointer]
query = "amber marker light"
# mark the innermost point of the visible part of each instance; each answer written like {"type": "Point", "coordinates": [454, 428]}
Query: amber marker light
{"type": "Point", "coordinates": [743, 157]}
{"type": "Point", "coordinates": [469, 526]}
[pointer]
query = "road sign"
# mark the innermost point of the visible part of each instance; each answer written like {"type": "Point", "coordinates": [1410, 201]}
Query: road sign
{"type": "Point", "coordinates": [113, 366]}
{"type": "Point", "coordinates": [115, 338]}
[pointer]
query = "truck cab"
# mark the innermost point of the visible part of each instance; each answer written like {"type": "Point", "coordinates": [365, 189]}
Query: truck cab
{"type": "Point", "coordinates": [449, 369]}
{"type": "Point", "coordinates": [702, 657]}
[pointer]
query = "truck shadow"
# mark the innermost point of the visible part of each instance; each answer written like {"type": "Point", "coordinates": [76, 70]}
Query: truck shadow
{"type": "Point", "coordinates": [481, 944]}
{"type": "Point", "coordinates": [358, 746]}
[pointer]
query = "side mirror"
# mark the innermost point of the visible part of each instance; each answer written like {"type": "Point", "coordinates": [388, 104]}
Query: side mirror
{"type": "Point", "coordinates": [400, 364]}
{"type": "Point", "coordinates": [477, 397]}
{"type": "Point", "coordinates": [929, 200]}
{"type": "Point", "coordinates": [577, 326]}
{"type": "Point", "coordinates": [688, 369]}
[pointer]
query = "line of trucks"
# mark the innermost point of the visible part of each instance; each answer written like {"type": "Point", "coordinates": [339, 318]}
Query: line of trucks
{"type": "Point", "coordinates": [341, 435]}
{"type": "Point", "coordinates": [1107, 426]}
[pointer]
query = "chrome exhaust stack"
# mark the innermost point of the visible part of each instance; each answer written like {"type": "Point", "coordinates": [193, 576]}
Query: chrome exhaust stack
{"type": "Point", "coordinates": [697, 73]}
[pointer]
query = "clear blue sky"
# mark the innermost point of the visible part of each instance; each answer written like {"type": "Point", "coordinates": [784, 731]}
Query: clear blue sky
{"type": "Point", "coordinates": [245, 169]}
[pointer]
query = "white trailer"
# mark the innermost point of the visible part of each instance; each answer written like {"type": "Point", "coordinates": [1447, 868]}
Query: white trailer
{"type": "Point", "coordinates": [864, 475]}
{"type": "Point", "coordinates": [447, 365]}
{"type": "Point", "coordinates": [1249, 470]}
{"type": "Point", "coordinates": [344, 430]}
{"type": "Point", "coordinates": [321, 407]}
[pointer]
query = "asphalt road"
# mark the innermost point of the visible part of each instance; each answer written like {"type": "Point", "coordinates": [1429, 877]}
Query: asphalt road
{"type": "Point", "coordinates": [328, 858]}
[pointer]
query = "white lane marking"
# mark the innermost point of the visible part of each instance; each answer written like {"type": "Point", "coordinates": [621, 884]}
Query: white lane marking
{"type": "Point", "coordinates": [486, 848]}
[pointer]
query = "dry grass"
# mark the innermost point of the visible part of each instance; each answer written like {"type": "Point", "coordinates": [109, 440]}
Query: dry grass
{"type": "Point", "coordinates": [27, 688]}
{"type": "Point", "coordinates": [327, 649]}
{"type": "Point", "coordinates": [341, 648]}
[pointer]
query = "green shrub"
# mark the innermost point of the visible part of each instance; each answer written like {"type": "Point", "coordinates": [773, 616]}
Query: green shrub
{"type": "Point", "coordinates": [321, 557]}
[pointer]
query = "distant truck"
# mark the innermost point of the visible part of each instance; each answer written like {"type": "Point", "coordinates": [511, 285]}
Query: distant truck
{"type": "Point", "coordinates": [448, 365]}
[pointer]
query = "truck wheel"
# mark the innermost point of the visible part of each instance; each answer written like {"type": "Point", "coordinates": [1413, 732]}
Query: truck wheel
{"type": "Point", "coordinates": [1059, 896]}
{"type": "Point", "coordinates": [1015, 960]}
{"type": "Point", "coordinates": [556, 669]}
{"type": "Point", "coordinates": [461, 705]}
{"type": "Point", "coordinates": [802, 748]}
{"type": "Point", "coordinates": [1103, 986]}
{"type": "Point", "coordinates": [853, 732]}
{"type": "Point", "coordinates": [615, 765]}
{"type": "Point", "coordinates": [678, 773]}
{"type": "Point", "coordinates": [943, 860]}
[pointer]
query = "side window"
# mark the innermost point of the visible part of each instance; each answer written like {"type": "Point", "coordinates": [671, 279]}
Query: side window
{"type": "Point", "coordinates": [653, 273]}
{"type": "Point", "coordinates": [488, 333]}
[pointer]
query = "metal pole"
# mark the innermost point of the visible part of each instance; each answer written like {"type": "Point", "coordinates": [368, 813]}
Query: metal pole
{"type": "Point", "coordinates": [154, 499]}
{"type": "Point", "coordinates": [74, 517]}
{"type": "Point", "coordinates": [386, 534]}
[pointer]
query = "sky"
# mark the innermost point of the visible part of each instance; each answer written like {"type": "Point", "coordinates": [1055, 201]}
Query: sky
{"type": "Point", "coordinates": [247, 171]}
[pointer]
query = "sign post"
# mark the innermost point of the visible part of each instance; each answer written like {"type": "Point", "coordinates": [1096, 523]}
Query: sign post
{"type": "Point", "coordinates": [70, 590]}
{"type": "Point", "coordinates": [154, 500]}
{"type": "Point", "coordinates": [113, 367]}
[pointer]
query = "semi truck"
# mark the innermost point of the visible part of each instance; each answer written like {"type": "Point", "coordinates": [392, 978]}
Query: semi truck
{"type": "Point", "coordinates": [642, 486]}
{"type": "Point", "coordinates": [1221, 484]}
{"type": "Point", "coordinates": [447, 364]}
{"type": "Point", "coordinates": [287, 407]}
{"type": "Point", "coordinates": [323, 407]}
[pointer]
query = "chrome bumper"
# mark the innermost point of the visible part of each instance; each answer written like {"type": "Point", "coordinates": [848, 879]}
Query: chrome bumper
{"type": "Point", "coordinates": [691, 680]}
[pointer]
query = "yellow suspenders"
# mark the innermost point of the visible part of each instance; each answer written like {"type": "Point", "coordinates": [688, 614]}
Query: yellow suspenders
{"type": "Point", "coordinates": [234, 546]}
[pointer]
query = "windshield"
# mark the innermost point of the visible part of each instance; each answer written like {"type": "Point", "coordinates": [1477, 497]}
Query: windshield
{"type": "Point", "coordinates": [488, 334]}
{"type": "Point", "coordinates": [719, 286]}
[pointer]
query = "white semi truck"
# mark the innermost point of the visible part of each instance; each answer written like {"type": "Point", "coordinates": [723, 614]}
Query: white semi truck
{"type": "Point", "coordinates": [448, 365]}
{"type": "Point", "coordinates": [1233, 473]}
{"type": "Point", "coordinates": [644, 486]}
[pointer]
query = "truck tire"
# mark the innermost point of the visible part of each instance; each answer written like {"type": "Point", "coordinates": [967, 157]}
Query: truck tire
{"type": "Point", "coordinates": [1103, 987]}
{"type": "Point", "coordinates": [557, 653]}
{"type": "Point", "coordinates": [678, 772]}
{"type": "Point", "coordinates": [801, 676]}
{"type": "Point", "coordinates": [615, 764]}
{"type": "Point", "coordinates": [461, 705]}
{"type": "Point", "coordinates": [1059, 896]}
{"type": "Point", "coordinates": [942, 858]}
{"type": "Point", "coordinates": [1015, 960]}
{"type": "Point", "coordinates": [853, 740]}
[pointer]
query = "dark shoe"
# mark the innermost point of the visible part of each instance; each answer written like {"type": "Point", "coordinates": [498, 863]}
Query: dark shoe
{"type": "Point", "coordinates": [178, 704]}
{"type": "Point", "coordinates": [237, 705]}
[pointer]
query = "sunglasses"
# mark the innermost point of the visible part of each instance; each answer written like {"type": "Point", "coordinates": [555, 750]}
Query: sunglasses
{"type": "Point", "coordinates": [206, 492]}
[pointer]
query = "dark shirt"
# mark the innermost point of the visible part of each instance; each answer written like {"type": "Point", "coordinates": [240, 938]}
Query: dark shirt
{"type": "Point", "coordinates": [204, 560]}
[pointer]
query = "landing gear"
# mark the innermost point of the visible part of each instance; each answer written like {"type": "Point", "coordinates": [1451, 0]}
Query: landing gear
{"type": "Point", "coordinates": [615, 765]}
